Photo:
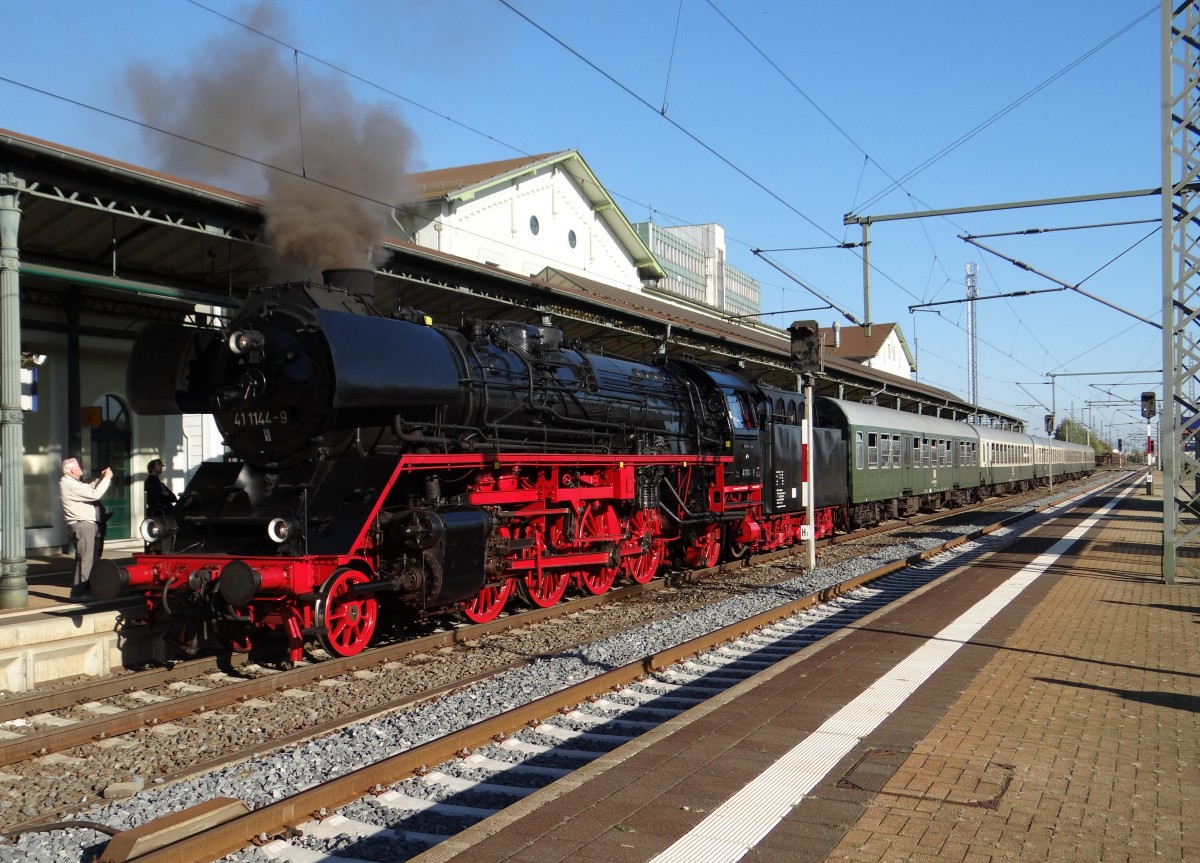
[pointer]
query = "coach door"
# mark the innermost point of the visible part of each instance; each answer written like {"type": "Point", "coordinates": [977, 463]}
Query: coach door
{"type": "Point", "coordinates": [906, 460]}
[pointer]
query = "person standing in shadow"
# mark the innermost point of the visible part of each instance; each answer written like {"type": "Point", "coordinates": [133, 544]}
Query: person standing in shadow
{"type": "Point", "coordinates": [160, 500]}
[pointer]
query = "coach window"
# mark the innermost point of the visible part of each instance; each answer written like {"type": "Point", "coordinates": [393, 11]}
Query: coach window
{"type": "Point", "coordinates": [873, 449]}
{"type": "Point", "coordinates": [896, 445]}
{"type": "Point", "coordinates": [925, 452]}
{"type": "Point", "coordinates": [858, 450]}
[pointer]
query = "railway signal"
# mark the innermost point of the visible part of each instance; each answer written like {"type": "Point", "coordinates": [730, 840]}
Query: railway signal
{"type": "Point", "coordinates": [807, 357]}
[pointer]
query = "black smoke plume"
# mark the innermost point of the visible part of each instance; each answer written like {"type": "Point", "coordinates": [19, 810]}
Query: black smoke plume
{"type": "Point", "coordinates": [244, 117]}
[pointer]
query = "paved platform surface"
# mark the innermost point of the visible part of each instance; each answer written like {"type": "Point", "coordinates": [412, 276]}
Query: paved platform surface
{"type": "Point", "coordinates": [49, 576]}
{"type": "Point", "coordinates": [1066, 728]}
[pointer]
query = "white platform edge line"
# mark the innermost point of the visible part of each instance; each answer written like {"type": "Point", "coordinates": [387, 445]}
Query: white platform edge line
{"type": "Point", "coordinates": [717, 839]}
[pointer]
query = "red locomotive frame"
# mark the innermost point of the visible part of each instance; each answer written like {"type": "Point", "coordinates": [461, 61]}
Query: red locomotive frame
{"type": "Point", "coordinates": [565, 522]}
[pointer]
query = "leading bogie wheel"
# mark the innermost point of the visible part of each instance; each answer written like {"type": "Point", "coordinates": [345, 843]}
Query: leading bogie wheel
{"type": "Point", "coordinates": [345, 621]}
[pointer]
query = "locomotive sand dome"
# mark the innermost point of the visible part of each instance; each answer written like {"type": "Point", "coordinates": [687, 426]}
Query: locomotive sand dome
{"type": "Point", "coordinates": [384, 467]}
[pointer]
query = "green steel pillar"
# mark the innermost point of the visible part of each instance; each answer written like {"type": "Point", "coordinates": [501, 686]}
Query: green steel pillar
{"type": "Point", "coordinates": [14, 589]}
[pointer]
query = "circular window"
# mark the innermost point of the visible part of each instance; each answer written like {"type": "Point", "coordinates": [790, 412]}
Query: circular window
{"type": "Point", "coordinates": [534, 227]}
{"type": "Point", "coordinates": [571, 239]}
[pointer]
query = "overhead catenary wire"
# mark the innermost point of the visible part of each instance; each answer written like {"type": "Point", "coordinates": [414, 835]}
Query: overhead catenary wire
{"type": "Point", "coordinates": [1007, 109]}
{"type": "Point", "coordinates": [679, 126]}
{"type": "Point", "coordinates": [671, 58]}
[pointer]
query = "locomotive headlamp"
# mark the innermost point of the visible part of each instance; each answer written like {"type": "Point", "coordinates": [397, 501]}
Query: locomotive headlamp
{"type": "Point", "coordinates": [246, 341]}
{"type": "Point", "coordinates": [155, 528]}
{"type": "Point", "coordinates": [281, 530]}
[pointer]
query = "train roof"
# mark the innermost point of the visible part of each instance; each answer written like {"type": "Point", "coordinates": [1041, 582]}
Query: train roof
{"type": "Point", "coordinates": [995, 435]}
{"type": "Point", "coordinates": [1045, 441]}
{"type": "Point", "coordinates": [858, 414]}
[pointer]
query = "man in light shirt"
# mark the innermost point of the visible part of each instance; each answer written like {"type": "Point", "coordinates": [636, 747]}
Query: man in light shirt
{"type": "Point", "coordinates": [82, 509]}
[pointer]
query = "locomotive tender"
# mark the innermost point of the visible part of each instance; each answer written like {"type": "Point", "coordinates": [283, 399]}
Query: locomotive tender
{"type": "Point", "coordinates": [385, 464]}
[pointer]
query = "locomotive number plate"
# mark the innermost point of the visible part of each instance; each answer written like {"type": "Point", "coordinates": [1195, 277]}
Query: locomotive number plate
{"type": "Point", "coordinates": [259, 419]}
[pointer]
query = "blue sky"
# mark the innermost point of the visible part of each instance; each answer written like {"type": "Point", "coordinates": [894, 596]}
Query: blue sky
{"type": "Point", "coordinates": [771, 117]}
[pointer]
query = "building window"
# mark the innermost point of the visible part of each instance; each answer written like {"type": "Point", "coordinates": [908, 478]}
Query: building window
{"type": "Point", "coordinates": [572, 239]}
{"type": "Point", "coordinates": [534, 227]}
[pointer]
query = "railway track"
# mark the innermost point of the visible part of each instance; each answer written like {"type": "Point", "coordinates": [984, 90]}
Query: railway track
{"type": "Point", "coordinates": [41, 723]}
{"type": "Point", "coordinates": [286, 687]}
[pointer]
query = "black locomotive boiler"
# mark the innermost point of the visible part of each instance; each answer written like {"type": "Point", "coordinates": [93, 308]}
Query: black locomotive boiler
{"type": "Point", "coordinates": [381, 461]}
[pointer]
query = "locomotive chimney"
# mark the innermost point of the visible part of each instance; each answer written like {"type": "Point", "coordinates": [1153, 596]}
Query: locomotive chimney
{"type": "Point", "coordinates": [358, 281]}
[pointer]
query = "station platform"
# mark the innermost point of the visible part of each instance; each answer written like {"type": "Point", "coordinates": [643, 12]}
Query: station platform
{"type": "Point", "coordinates": [1040, 704]}
{"type": "Point", "coordinates": [55, 637]}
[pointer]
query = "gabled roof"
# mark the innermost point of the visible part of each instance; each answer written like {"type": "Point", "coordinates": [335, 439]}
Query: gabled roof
{"type": "Point", "coordinates": [452, 183]}
{"type": "Point", "coordinates": [856, 345]}
{"type": "Point", "coordinates": [465, 182]}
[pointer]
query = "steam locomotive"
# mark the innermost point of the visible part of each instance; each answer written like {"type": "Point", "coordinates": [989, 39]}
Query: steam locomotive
{"type": "Point", "coordinates": [382, 461]}
{"type": "Point", "coordinates": [387, 467]}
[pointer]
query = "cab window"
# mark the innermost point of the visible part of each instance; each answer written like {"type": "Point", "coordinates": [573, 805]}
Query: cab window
{"type": "Point", "coordinates": [740, 414]}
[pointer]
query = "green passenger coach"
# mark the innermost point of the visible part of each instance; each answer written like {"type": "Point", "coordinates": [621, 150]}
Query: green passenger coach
{"type": "Point", "coordinates": [900, 464]}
